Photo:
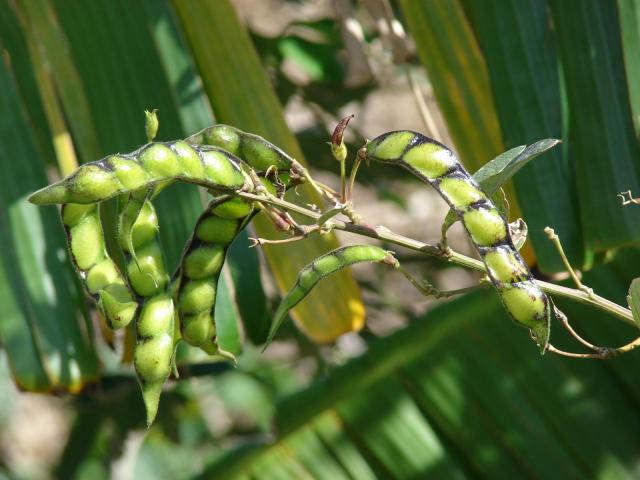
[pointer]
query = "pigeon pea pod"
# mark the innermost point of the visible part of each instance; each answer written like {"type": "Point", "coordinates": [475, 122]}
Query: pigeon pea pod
{"type": "Point", "coordinates": [254, 150]}
{"type": "Point", "coordinates": [100, 275]}
{"type": "Point", "coordinates": [200, 268]}
{"type": "Point", "coordinates": [436, 165]}
{"type": "Point", "coordinates": [147, 273]}
{"type": "Point", "coordinates": [320, 268]}
{"type": "Point", "coordinates": [154, 349]}
{"type": "Point", "coordinates": [202, 261]}
{"type": "Point", "coordinates": [150, 165]}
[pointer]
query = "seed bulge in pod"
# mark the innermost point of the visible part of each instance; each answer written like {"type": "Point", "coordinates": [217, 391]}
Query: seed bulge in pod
{"type": "Point", "coordinates": [234, 208]}
{"type": "Point", "coordinates": [145, 227]}
{"type": "Point", "coordinates": [460, 192]}
{"type": "Point", "coordinates": [129, 172]}
{"type": "Point", "coordinates": [115, 301]}
{"type": "Point", "coordinates": [485, 226]}
{"type": "Point", "coordinates": [92, 184]}
{"type": "Point", "coordinates": [156, 316]}
{"type": "Point", "coordinates": [204, 262]}
{"type": "Point", "coordinates": [87, 243]}
{"type": "Point", "coordinates": [219, 169]}
{"type": "Point", "coordinates": [430, 159]}
{"type": "Point", "coordinates": [160, 161]}
{"type": "Point", "coordinates": [150, 277]}
{"type": "Point", "coordinates": [198, 295]}
{"type": "Point", "coordinates": [152, 358]}
{"type": "Point", "coordinates": [392, 146]}
{"type": "Point", "coordinates": [73, 212]}
{"type": "Point", "coordinates": [525, 302]}
{"type": "Point", "coordinates": [217, 230]}
{"type": "Point", "coordinates": [102, 274]}
{"type": "Point", "coordinates": [197, 329]}
{"type": "Point", "coordinates": [223, 136]}
{"type": "Point", "coordinates": [189, 159]}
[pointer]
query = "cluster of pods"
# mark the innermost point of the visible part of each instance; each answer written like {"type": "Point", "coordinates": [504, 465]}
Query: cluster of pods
{"type": "Point", "coordinates": [166, 309]}
{"type": "Point", "coordinates": [225, 160]}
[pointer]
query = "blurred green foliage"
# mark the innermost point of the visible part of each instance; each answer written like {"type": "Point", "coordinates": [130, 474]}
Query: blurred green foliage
{"type": "Point", "coordinates": [455, 392]}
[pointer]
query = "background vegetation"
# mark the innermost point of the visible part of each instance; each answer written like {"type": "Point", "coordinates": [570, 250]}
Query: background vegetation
{"type": "Point", "coordinates": [449, 390]}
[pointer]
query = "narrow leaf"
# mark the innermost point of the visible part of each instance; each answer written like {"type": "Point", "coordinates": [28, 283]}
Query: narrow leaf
{"type": "Point", "coordinates": [601, 136]}
{"type": "Point", "coordinates": [226, 317]}
{"type": "Point", "coordinates": [518, 42]}
{"type": "Point", "coordinates": [244, 266]}
{"type": "Point", "coordinates": [496, 173]}
{"type": "Point", "coordinates": [630, 29]}
{"type": "Point", "coordinates": [634, 300]}
{"type": "Point", "coordinates": [41, 328]}
{"type": "Point", "coordinates": [417, 404]}
{"type": "Point", "coordinates": [450, 53]}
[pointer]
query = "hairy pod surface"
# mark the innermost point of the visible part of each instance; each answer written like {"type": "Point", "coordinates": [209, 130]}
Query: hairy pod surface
{"type": "Point", "coordinates": [100, 275]}
{"type": "Point", "coordinates": [138, 237]}
{"type": "Point", "coordinates": [203, 258]}
{"type": "Point", "coordinates": [436, 165]}
{"type": "Point", "coordinates": [321, 267]}
{"type": "Point", "coordinates": [254, 150]}
{"type": "Point", "coordinates": [154, 163]}
{"type": "Point", "coordinates": [200, 267]}
{"type": "Point", "coordinates": [154, 349]}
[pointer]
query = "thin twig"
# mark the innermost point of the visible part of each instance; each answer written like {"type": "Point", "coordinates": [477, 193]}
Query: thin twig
{"type": "Point", "coordinates": [565, 323]}
{"type": "Point", "coordinates": [387, 235]}
{"type": "Point", "coordinates": [602, 355]}
{"type": "Point", "coordinates": [627, 201]}
{"type": "Point", "coordinates": [423, 109]}
{"type": "Point", "coordinates": [428, 290]}
{"type": "Point", "coordinates": [352, 177]}
{"type": "Point", "coordinates": [555, 239]}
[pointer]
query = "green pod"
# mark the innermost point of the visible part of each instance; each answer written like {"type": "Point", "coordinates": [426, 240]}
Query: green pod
{"type": "Point", "coordinates": [154, 350]}
{"type": "Point", "coordinates": [154, 164]}
{"type": "Point", "coordinates": [321, 267]}
{"type": "Point", "coordinates": [138, 237]}
{"type": "Point", "coordinates": [155, 346]}
{"type": "Point", "coordinates": [436, 165]}
{"type": "Point", "coordinates": [258, 153]}
{"type": "Point", "coordinates": [203, 258]}
{"type": "Point", "coordinates": [101, 277]}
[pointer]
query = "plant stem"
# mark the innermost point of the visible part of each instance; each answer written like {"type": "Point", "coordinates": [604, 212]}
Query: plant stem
{"type": "Point", "coordinates": [383, 233]}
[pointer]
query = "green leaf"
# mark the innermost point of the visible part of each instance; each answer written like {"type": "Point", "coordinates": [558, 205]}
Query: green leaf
{"type": "Point", "coordinates": [495, 173]}
{"type": "Point", "coordinates": [457, 393]}
{"type": "Point", "coordinates": [241, 95]}
{"type": "Point", "coordinates": [604, 149]}
{"type": "Point", "coordinates": [633, 299]}
{"type": "Point", "coordinates": [318, 61]}
{"type": "Point", "coordinates": [49, 38]}
{"type": "Point", "coordinates": [498, 171]}
{"type": "Point", "coordinates": [519, 46]}
{"type": "Point", "coordinates": [244, 266]}
{"type": "Point", "coordinates": [226, 317]}
{"type": "Point", "coordinates": [15, 46]}
{"type": "Point", "coordinates": [46, 340]}
{"type": "Point", "coordinates": [449, 51]}
{"type": "Point", "coordinates": [630, 29]}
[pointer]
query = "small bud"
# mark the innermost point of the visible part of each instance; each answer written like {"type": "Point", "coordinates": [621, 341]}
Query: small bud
{"type": "Point", "coordinates": [338, 148]}
{"type": "Point", "coordinates": [151, 124]}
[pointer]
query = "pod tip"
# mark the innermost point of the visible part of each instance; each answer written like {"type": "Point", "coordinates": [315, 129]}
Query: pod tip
{"type": "Point", "coordinates": [52, 194]}
{"type": "Point", "coordinates": [151, 398]}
